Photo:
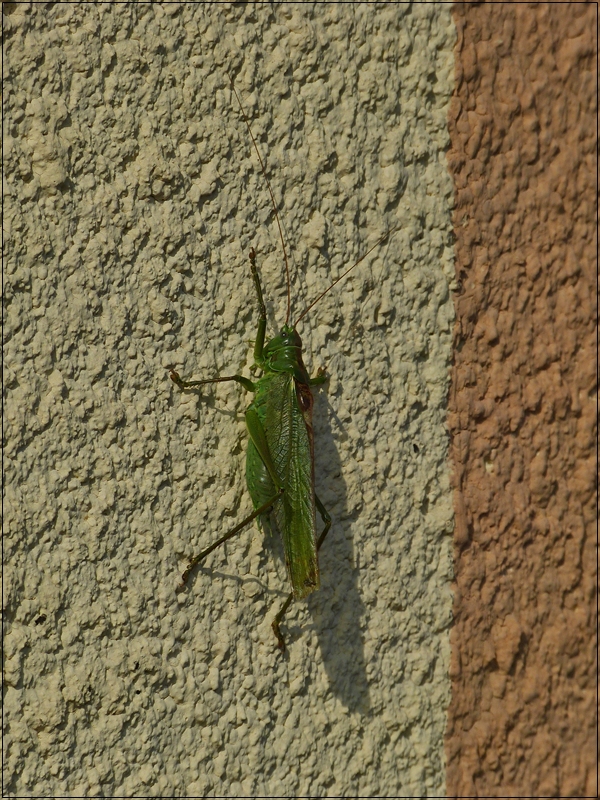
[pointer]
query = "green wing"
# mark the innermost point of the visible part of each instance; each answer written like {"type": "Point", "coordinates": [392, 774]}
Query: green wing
{"type": "Point", "coordinates": [288, 427]}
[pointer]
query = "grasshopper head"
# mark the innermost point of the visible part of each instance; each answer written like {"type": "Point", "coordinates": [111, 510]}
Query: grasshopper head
{"type": "Point", "coordinates": [284, 354]}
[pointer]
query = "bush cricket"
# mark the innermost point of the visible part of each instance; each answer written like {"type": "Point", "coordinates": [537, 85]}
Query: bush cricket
{"type": "Point", "coordinates": [280, 456]}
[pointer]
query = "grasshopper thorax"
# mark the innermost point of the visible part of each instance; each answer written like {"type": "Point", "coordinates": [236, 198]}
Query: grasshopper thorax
{"type": "Point", "coordinates": [283, 353]}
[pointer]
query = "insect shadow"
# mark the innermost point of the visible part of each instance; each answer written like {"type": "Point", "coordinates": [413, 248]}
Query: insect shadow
{"type": "Point", "coordinates": [337, 609]}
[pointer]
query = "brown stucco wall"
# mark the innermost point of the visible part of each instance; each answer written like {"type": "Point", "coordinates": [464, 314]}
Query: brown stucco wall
{"type": "Point", "coordinates": [522, 721]}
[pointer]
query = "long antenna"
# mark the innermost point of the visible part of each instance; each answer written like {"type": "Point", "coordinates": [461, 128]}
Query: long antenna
{"type": "Point", "coordinates": [343, 275]}
{"type": "Point", "coordinates": [262, 166]}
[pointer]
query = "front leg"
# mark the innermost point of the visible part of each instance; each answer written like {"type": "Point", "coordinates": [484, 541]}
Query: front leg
{"type": "Point", "coordinates": [247, 384]}
{"type": "Point", "coordinates": [259, 343]}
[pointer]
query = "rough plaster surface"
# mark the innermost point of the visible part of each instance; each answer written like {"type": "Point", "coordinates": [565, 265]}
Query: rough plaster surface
{"type": "Point", "coordinates": [132, 197]}
{"type": "Point", "coordinates": [523, 715]}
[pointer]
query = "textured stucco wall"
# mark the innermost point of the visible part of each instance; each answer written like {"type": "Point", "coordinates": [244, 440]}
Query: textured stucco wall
{"type": "Point", "coordinates": [523, 717]}
{"type": "Point", "coordinates": [132, 197]}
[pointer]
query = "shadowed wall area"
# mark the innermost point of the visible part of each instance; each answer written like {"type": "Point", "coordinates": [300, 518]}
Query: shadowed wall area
{"type": "Point", "coordinates": [522, 405]}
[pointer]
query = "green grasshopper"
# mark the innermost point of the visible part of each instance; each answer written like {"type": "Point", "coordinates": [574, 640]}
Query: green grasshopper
{"type": "Point", "coordinates": [280, 472]}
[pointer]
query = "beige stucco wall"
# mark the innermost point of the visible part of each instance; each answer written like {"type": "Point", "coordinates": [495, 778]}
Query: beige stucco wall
{"type": "Point", "coordinates": [132, 197]}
